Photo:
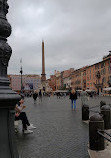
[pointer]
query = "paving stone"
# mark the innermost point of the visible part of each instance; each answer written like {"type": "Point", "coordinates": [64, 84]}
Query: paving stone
{"type": "Point", "coordinates": [60, 132]}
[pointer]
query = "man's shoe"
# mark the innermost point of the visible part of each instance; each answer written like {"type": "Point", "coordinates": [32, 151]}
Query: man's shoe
{"type": "Point", "coordinates": [28, 131]}
{"type": "Point", "coordinates": [31, 127]}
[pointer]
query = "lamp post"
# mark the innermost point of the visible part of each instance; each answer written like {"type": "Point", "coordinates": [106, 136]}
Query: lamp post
{"type": "Point", "coordinates": [8, 98]}
{"type": "Point", "coordinates": [21, 72]}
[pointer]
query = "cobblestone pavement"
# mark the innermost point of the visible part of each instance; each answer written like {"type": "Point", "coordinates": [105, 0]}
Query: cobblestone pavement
{"type": "Point", "coordinates": [60, 132]}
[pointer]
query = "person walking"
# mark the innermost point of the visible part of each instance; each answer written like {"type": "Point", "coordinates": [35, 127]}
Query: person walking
{"type": "Point", "coordinates": [73, 97]}
{"type": "Point", "coordinates": [84, 96]}
{"type": "Point", "coordinates": [40, 96]}
{"type": "Point", "coordinates": [35, 95]}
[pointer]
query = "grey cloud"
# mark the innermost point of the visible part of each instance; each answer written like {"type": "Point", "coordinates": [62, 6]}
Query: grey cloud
{"type": "Point", "coordinates": [76, 33]}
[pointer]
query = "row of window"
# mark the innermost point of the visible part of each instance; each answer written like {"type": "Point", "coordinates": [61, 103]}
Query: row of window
{"type": "Point", "coordinates": [27, 81]}
{"type": "Point", "coordinates": [99, 65]}
{"type": "Point", "coordinates": [103, 72]}
{"type": "Point", "coordinates": [89, 84]}
{"type": "Point", "coordinates": [103, 81]}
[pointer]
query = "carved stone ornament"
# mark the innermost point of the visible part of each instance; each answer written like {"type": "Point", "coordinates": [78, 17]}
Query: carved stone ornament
{"type": "Point", "coordinates": [4, 6]}
{"type": "Point", "coordinates": [5, 52]}
{"type": "Point", "coordinates": [5, 31]}
{"type": "Point", "coordinates": [5, 28]}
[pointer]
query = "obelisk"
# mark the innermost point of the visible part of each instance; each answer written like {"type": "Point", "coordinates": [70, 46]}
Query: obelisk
{"type": "Point", "coordinates": [43, 75]}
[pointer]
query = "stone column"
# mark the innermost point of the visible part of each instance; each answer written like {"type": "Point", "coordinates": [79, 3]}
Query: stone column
{"type": "Point", "coordinates": [8, 98]}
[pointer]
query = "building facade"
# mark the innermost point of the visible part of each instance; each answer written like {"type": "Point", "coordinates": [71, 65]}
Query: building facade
{"type": "Point", "coordinates": [78, 79]}
{"type": "Point", "coordinates": [67, 78]}
{"type": "Point", "coordinates": [52, 82]}
{"type": "Point", "coordinates": [58, 79]}
{"type": "Point", "coordinates": [30, 82]}
{"type": "Point", "coordinates": [98, 76]}
{"type": "Point", "coordinates": [94, 77]}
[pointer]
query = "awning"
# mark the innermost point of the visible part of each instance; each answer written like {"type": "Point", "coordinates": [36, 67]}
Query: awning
{"type": "Point", "coordinates": [107, 89]}
{"type": "Point", "coordinates": [61, 91]}
{"type": "Point", "coordinates": [90, 90]}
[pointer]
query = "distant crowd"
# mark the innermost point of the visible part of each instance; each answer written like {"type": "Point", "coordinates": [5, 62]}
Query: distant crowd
{"type": "Point", "coordinates": [73, 96]}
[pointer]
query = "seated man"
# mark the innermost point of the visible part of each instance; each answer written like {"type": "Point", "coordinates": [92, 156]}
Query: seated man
{"type": "Point", "coordinates": [19, 115]}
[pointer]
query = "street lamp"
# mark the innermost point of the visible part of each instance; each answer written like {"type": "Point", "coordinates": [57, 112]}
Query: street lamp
{"type": "Point", "coordinates": [8, 98]}
{"type": "Point", "coordinates": [21, 72]}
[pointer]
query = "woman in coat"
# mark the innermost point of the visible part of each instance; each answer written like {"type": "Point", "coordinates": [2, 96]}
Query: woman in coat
{"type": "Point", "coordinates": [73, 97]}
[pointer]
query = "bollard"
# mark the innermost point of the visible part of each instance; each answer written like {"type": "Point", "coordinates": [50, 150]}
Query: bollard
{"type": "Point", "coordinates": [96, 142]}
{"type": "Point", "coordinates": [85, 112]}
{"type": "Point", "coordinates": [102, 103]}
{"type": "Point", "coordinates": [105, 111]}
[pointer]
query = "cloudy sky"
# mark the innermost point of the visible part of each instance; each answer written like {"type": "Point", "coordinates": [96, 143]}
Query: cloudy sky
{"type": "Point", "coordinates": [75, 33]}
